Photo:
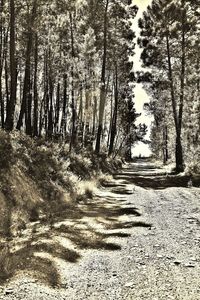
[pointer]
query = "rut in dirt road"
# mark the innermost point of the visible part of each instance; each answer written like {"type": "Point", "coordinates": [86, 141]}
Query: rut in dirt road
{"type": "Point", "coordinates": [137, 239]}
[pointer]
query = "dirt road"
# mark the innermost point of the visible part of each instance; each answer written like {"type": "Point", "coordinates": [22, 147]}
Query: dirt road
{"type": "Point", "coordinates": [138, 239]}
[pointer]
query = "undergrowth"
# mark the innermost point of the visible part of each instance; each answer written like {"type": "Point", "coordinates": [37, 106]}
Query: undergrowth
{"type": "Point", "coordinates": [39, 178]}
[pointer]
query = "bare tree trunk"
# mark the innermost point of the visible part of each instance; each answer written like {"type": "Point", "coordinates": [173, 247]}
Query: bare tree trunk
{"type": "Point", "coordinates": [103, 82]}
{"type": "Point", "coordinates": [6, 82]}
{"type": "Point", "coordinates": [73, 131]}
{"type": "Point", "coordinates": [94, 116]}
{"type": "Point", "coordinates": [178, 151]}
{"type": "Point", "coordinates": [165, 144]}
{"type": "Point", "coordinates": [114, 118]}
{"type": "Point", "coordinates": [46, 91]}
{"type": "Point", "coordinates": [57, 110]}
{"type": "Point", "coordinates": [2, 46]}
{"type": "Point", "coordinates": [35, 112]}
{"type": "Point", "coordinates": [28, 115]}
{"type": "Point", "coordinates": [64, 110]}
{"type": "Point", "coordinates": [41, 118]}
{"type": "Point", "coordinates": [25, 108]}
{"type": "Point", "coordinates": [50, 115]}
{"type": "Point", "coordinates": [111, 115]}
{"type": "Point", "coordinates": [13, 83]}
{"type": "Point", "coordinates": [80, 118]}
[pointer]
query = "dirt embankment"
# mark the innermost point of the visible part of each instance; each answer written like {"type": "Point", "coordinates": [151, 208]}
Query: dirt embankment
{"type": "Point", "coordinates": [40, 178]}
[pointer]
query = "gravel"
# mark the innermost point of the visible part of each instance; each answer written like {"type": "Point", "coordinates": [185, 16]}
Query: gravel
{"type": "Point", "coordinates": [155, 263]}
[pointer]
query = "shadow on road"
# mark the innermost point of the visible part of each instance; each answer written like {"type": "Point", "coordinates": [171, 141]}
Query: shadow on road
{"type": "Point", "coordinates": [85, 225]}
{"type": "Point", "coordinates": [149, 176]}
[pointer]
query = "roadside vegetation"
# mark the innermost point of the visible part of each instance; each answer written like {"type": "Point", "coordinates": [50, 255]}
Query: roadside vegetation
{"type": "Point", "coordinates": [39, 178]}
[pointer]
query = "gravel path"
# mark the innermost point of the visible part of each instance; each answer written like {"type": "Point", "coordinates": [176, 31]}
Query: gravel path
{"type": "Point", "coordinates": [155, 263]}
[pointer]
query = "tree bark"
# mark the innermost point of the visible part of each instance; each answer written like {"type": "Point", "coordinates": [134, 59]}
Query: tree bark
{"type": "Point", "coordinates": [114, 118]}
{"type": "Point", "coordinates": [57, 110]}
{"type": "Point", "coordinates": [165, 144]}
{"type": "Point", "coordinates": [50, 114]}
{"type": "Point", "coordinates": [2, 47]}
{"type": "Point", "coordinates": [103, 82]}
{"type": "Point", "coordinates": [94, 115]}
{"type": "Point", "coordinates": [177, 117]}
{"type": "Point", "coordinates": [73, 130]}
{"type": "Point", "coordinates": [25, 108]}
{"type": "Point", "coordinates": [64, 109]}
{"type": "Point", "coordinates": [35, 112]}
{"type": "Point", "coordinates": [13, 82]}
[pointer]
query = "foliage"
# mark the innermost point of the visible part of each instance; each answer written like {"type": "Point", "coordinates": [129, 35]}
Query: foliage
{"type": "Point", "coordinates": [170, 43]}
{"type": "Point", "coordinates": [59, 50]}
{"type": "Point", "coordinates": [7, 158]}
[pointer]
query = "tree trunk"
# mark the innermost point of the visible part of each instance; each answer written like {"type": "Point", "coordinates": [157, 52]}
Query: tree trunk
{"type": "Point", "coordinates": [50, 115]}
{"type": "Point", "coordinates": [111, 114]}
{"type": "Point", "coordinates": [6, 82]}
{"type": "Point", "coordinates": [103, 82]}
{"type": "Point", "coordinates": [13, 82]}
{"type": "Point", "coordinates": [94, 116]}
{"type": "Point", "coordinates": [177, 120]}
{"type": "Point", "coordinates": [26, 90]}
{"type": "Point", "coordinates": [57, 110]}
{"type": "Point", "coordinates": [179, 150]}
{"type": "Point", "coordinates": [80, 118]}
{"type": "Point", "coordinates": [2, 47]}
{"type": "Point", "coordinates": [114, 118]}
{"type": "Point", "coordinates": [73, 131]}
{"type": "Point", "coordinates": [28, 116]}
{"type": "Point", "coordinates": [46, 91]}
{"type": "Point", "coordinates": [41, 120]}
{"type": "Point", "coordinates": [64, 110]}
{"type": "Point", "coordinates": [35, 112]}
{"type": "Point", "coordinates": [165, 144]}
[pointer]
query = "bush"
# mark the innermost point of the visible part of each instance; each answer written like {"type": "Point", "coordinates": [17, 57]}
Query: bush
{"type": "Point", "coordinates": [7, 157]}
{"type": "Point", "coordinates": [81, 166]}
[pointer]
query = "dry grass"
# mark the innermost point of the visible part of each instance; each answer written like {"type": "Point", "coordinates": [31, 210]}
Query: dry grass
{"type": "Point", "coordinates": [85, 190]}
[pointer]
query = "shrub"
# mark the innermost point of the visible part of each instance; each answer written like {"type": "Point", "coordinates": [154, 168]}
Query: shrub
{"type": "Point", "coordinates": [7, 157]}
{"type": "Point", "coordinates": [81, 166]}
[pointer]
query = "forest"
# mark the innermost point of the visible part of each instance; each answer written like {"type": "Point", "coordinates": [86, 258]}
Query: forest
{"type": "Point", "coordinates": [80, 216]}
{"type": "Point", "coordinates": [170, 33]}
{"type": "Point", "coordinates": [66, 75]}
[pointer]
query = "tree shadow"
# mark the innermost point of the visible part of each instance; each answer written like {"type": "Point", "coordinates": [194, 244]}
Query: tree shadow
{"type": "Point", "coordinates": [160, 182]}
{"type": "Point", "coordinates": [125, 225]}
{"type": "Point", "coordinates": [35, 257]}
{"type": "Point", "coordinates": [149, 176]}
{"type": "Point", "coordinates": [81, 225]}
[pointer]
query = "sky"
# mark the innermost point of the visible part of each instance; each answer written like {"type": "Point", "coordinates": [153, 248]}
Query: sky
{"type": "Point", "coordinates": [140, 94]}
{"type": "Point", "coordinates": [142, 4]}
